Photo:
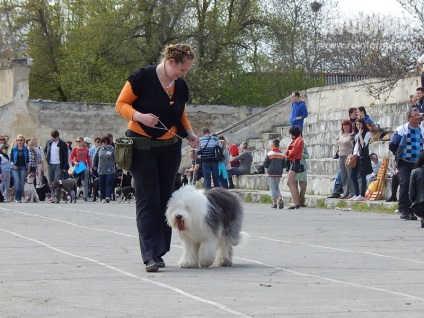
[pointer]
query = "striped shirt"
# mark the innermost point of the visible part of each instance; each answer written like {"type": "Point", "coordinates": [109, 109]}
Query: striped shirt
{"type": "Point", "coordinates": [207, 146]}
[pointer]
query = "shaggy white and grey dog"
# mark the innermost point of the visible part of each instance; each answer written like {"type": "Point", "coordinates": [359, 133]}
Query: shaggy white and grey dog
{"type": "Point", "coordinates": [29, 190]}
{"type": "Point", "coordinates": [209, 223]}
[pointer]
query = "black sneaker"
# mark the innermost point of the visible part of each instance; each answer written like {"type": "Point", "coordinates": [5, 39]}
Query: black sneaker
{"type": "Point", "coordinates": [160, 262]}
{"type": "Point", "coordinates": [334, 196]}
{"type": "Point", "coordinates": [339, 190]}
{"type": "Point", "coordinates": [280, 204]}
{"type": "Point", "coordinates": [152, 266]}
{"type": "Point", "coordinates": [412, 217]}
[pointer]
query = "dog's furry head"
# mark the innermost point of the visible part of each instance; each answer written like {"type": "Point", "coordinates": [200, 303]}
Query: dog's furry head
{"type": "Point", "coordinates": [209, 223]}
{"type": "Point", "coordinates": [182, 208]}
{"type": "Point", "coordinates": [30, 178]}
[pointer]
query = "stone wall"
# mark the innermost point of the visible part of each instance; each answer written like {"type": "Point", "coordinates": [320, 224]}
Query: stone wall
{"type": "Point", "coordinates": [325, 100]}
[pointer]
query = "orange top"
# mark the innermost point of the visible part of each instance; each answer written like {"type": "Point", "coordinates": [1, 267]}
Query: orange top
{"type": "Point", "coordinates": [123, 106]}
{"type": "Point", "coordinates": [295, 149]}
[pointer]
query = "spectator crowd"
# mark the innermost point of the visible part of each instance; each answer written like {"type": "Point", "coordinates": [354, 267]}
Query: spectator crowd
{"type": "Point", "coordinates": [91, 165]}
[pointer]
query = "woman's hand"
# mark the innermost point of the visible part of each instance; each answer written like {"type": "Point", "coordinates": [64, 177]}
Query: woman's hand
{"type": "Point", "coordinates": [150, 120]}
{"type": "Point", "coordinates": [192, 139]}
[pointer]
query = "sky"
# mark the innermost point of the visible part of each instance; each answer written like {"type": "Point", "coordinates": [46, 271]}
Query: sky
{"type": "Point", "coordinates": [391, 7]}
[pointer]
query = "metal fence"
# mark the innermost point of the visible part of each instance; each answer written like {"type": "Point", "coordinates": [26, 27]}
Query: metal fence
{"type": "Point", "coordinates": [340, 78]}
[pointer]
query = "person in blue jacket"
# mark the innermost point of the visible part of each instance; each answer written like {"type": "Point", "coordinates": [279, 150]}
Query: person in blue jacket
{"type": "Point", "coordinates": [298, 111]}
{"type": "Point", "coordinates": [19, 159]}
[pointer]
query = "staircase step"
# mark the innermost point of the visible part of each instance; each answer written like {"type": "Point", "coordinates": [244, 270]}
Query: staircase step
{"type": "Point", "coordinates": [271, 136]}
{"type": "Point", "coordinates": [255, 196]}
{"type": "Point", "coordinates": [317, 184]}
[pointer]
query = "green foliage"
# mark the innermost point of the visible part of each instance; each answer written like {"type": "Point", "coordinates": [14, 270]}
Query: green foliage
{"type": "Point", "coordinates": [360, 206]}
{"type": "Point", "coordinates": [265, 199]}
{"type": "Point", "coordinates": [363, 207]}
{"type": "Point", "coordinates": [384, 209]}
{"type": "Point", "coordinates": [11, 40]}
{"type": "Point", "coordinates": [341, 204]}
{"type": "Point", "coordinates": [248, 52]}
{"type": "Point", "coordinates": [262, 89]}
{"type": "Point", "coordinates": [321, 203]}
{"type": "Point", "coordinates": [45, 39]}
{"type": "Point", "coordinates": [248, 198]}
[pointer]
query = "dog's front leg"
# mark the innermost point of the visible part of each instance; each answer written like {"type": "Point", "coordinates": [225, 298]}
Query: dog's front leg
{"type": "Point", "coordinates": [189, 259]}
{"type": "Point", "coordinates": [207, 253]}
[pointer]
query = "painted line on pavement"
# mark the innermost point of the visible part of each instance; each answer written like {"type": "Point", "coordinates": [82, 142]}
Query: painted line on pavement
{"type": "Point", "coordinates": [333, 280]}
{"type": "Point", "coordinates": [146, 280]}
{"type": "Point", "coordinates": [343, 250]}
{"type": "Point", "coordinates": [264, 264]}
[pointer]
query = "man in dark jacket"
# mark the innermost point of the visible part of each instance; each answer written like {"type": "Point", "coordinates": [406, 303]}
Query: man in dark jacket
{"type": "Point", "coordinates": [56, 153]}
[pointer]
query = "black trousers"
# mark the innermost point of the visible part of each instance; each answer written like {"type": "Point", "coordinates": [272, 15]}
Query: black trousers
{"type": "Point", "coordinates": [404, 174]}
{"type": "Point", "coordinates": [154, 174]}
{"type": "Point", "coordinates": [395, 184]}
{"type": "Point", "coordinates": [419, 210]}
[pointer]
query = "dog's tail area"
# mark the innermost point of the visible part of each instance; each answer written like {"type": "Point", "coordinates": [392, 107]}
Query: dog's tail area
{"type": "Point", "coordinates": [243, 238]}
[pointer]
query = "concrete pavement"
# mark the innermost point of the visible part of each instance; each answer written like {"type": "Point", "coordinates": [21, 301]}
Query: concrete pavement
{"type": "Point", "coordinates": [83, 260]}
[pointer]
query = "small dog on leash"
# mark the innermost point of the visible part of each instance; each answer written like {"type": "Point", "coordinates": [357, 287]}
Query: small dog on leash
{"type": "Point", "coordinates": [80, 192]}
{"type": "Point", "coordinates": [68, 185]}
{"type": "Point", "coordinates": [94, 187]}
{"type": "Point", "coordinates": [12, 193]}
{"type": "Point", "coordinates": [126, 193]}
{"type": "Point", "coordinates": [44, 189]}
{"type": "Point", "coordinates": [29, 189]}
{"type": "Point", "coordinates": [209, 223]}
{"type": "Point", "coordinates": [184, 180]}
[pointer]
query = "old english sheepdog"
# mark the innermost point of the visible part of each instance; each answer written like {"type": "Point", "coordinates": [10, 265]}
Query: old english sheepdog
{"type": "Point", "coordinates": [209, 223]}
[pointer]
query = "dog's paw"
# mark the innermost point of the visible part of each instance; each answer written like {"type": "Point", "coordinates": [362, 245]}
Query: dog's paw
{"type": "Point", "coordinates": [223, 262]}
{"type": "Point", "coordinates": [205, 263]}
{"type": "Point", "coordinates": [187, 264]}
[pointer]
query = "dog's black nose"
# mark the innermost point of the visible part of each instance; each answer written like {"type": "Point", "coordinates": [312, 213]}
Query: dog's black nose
{"type": "Point", "coordinates": [179, 217]}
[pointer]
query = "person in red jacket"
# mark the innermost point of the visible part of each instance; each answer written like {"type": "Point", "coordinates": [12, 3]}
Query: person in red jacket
{"type": "Point", "coordinates": [81, 154]}
{"type": "Point", "coordinates": [234, 152]}
{"type": "Point", "coordinates": [294, 154]}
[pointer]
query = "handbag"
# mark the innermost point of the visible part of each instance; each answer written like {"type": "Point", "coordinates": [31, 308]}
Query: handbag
{"type": "Point", "coordinates": [351, 161]}
{"type": "Point", "coordinates": [123, 152]}
{"type": "Point", "coordinates": [258, 169]}
{"type": "Point", "coordinates": [298, 167]}
{"type": "Point", "coordinates": [219, 154]}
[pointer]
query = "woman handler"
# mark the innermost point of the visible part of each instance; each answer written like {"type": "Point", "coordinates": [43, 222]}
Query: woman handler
{"type": "Point", "coordinates": [153, 100]}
